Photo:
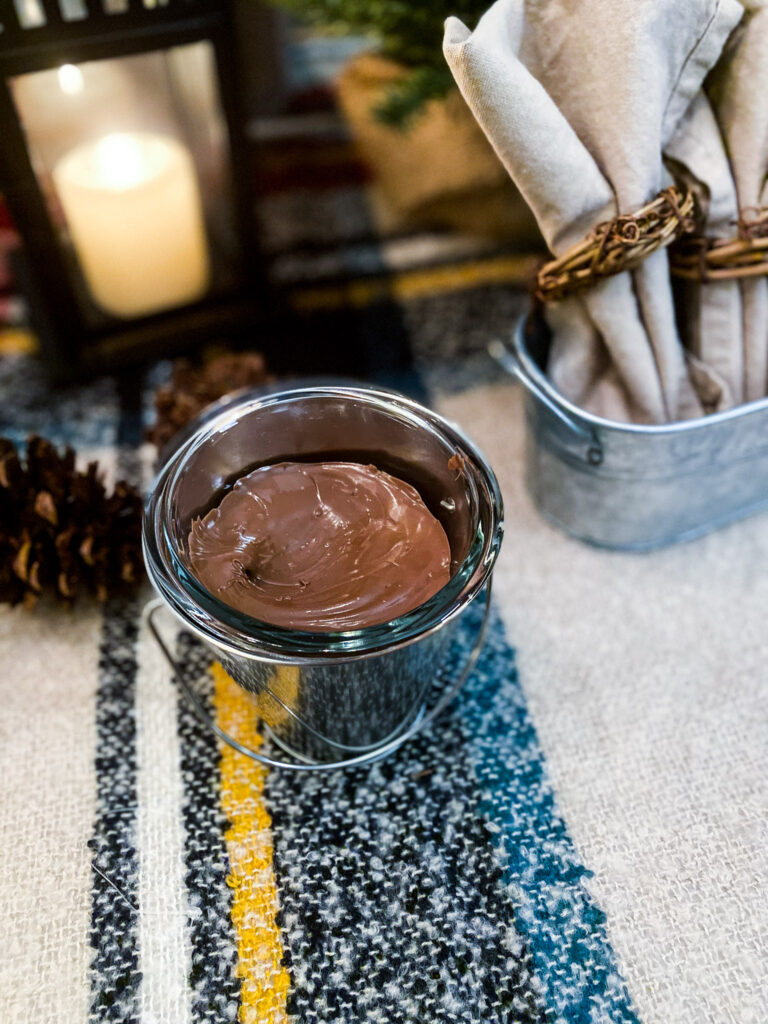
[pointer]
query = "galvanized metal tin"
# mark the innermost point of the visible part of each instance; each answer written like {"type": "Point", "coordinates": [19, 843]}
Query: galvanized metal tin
{"type": "Point", "coordinates": [342, 698]}
{"type": "Point", "coordinates": [630, 487]}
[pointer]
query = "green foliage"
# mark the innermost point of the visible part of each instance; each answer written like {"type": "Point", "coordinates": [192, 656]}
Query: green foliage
{"type": "Point", "coordinates": [404, 100]}
{"type": "Point", "coordinates": [408, 31]}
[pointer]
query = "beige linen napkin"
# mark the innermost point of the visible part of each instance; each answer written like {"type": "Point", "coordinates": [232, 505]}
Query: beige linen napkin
{"type": "Point", "coordinates": [578, 98]}
{"type": "Point", "coordinates": [710, 315]}
{"type": "Point", "coordinates": [740, 100]}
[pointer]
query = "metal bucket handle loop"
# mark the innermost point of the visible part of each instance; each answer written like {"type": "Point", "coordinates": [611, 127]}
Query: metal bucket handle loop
{"type": "Point", "coordinates": [375, 754]}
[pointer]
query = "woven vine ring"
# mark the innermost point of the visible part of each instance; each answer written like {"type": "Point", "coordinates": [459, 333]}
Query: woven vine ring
{"type": "Point", "coordinates": [617, 245]}
{"type": "Point", "coordinates": [725, 259]}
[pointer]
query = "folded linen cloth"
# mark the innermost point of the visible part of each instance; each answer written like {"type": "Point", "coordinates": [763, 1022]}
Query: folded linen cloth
{"type": "Point", "coordinates": [710, 314]}
{"type": "Point", "coordinates": [740, 99]}
{"type": "Point", "coordinates": [579, 98]}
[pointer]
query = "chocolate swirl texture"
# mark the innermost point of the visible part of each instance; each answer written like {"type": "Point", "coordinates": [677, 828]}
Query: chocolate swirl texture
{"type": "Point", "coordinates": [321, 547]}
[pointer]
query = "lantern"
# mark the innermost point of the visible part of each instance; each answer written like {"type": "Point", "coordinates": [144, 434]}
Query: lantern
{"type": "Point", "coordinates": [122, 162]}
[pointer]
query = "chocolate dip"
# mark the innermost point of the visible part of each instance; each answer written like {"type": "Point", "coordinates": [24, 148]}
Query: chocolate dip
{"type": "Point", "coordinates": [321, 547]}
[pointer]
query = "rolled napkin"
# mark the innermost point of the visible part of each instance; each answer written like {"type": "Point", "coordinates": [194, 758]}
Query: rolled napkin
{"type": "Point", "coordinates": [579, 98]}
{"type": "Point", "coordinates": [739, 94]}
{"type": "Point", "coordinates": [710, 313]}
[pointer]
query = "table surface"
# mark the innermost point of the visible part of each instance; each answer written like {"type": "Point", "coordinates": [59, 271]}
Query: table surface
{"type": "Point", "coordinates": [581, 839]}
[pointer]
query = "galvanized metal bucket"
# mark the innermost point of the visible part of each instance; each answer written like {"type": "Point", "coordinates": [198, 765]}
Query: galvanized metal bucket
{"type": "Point", "coordinates": [328, 699]}
{"type": "Point", "coordinates": [629, 487]}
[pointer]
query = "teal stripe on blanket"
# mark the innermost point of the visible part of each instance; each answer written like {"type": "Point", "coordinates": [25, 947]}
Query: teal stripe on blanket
{"type": "Point", "coordinates": [563, 927]}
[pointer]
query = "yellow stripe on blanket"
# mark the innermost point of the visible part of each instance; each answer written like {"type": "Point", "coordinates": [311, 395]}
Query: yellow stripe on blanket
{"type": "Point", "coordinates": [17, 342]}
{"type": "Point", "coordinates": [414, 284]}
{"type": "Point", "coordinates": [265, 982]}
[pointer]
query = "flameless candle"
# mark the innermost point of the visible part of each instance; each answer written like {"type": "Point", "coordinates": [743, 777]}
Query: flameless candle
{"type": "Point", "coordinates": [135, 217]}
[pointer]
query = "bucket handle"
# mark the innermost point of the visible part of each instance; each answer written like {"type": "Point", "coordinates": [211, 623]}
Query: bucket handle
{"type": "Point", "coordinates": [509, 362]}
{"type": "Point", "coordinates": [149, 616]}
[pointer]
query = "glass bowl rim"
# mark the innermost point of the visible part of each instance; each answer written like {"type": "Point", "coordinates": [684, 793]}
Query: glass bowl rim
{"type": "Point", "coordinates": [243, 636]}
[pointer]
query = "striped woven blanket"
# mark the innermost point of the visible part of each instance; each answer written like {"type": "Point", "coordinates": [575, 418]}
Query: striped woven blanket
{"type": "Point", "coordinates": [581, 839]}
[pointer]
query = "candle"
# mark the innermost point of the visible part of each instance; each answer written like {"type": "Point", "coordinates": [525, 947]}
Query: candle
{"type": "Point", "coordinates": [135, 218]}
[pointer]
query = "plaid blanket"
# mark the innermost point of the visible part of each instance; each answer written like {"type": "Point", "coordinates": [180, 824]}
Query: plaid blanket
{"type": "Point", "coordinates": [580, 839]}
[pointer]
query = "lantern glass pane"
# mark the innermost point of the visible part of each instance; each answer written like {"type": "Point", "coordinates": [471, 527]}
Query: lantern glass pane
{"type": "Point", "coordinates": [132, 156]}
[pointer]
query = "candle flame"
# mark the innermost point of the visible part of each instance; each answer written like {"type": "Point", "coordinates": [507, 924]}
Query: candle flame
{"type": "Point", "coordinates": [70, 79]}
{"type": "Point", "coordinates": [120, 160]}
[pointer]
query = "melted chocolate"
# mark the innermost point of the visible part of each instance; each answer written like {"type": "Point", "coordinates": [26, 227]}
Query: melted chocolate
{"type": "Point", "coordinates": [321, 547]}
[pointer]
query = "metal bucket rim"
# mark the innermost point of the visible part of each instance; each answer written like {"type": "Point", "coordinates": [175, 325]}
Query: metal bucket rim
{"type": "Point", "coordinates": [589, 420]}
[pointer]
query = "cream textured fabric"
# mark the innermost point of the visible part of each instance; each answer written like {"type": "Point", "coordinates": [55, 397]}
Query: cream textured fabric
{"type": "Point", "coordinates": [163, 940]}
{"type": "Point", "coordinates": [579, 98]}
{"type": "Point", "coordinates": [631, 748]}
{"type": "Point", "coordinates": [646, 678]}
{"type": "Point", "coordinates": [49, 682]}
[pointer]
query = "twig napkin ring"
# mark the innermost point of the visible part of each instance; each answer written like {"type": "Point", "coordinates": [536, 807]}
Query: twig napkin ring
{"type": "Point", "coordinates": [617, 245]}
{"type": "Point", "coordinates": [721, 259]}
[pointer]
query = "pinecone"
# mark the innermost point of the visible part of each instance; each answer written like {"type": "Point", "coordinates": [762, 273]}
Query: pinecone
{"type": "Point", "coordinates": [193, 388]}
{"type": "Point", "coordinates": [60, 532]}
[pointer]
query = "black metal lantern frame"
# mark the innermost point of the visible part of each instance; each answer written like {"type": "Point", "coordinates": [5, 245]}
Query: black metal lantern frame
{"type": "Point", "coordinates": [63, 263]}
